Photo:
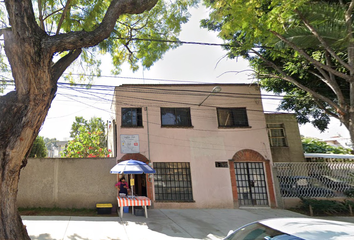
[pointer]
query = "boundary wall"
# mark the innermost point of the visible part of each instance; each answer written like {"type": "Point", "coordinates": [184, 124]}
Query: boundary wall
{"type": "Point", "coordinates": [67, 182]}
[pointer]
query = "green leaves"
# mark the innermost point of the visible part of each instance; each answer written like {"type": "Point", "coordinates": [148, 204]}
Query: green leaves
{"type": "Point", "coordinates": [300, 49]}
{"type": "Point", "coordinates": [163, 22]}
{"type": "Point", "coordinates": [89, 140]}
{"type": "Point", "coordinates": [250, 21]}
{"type": "Point", "coordinates": [39, 150]}
{"type": "Point", "coordinates": [138, 39]}
{"type": "Point", "coordinates": [94, 125]}
{"type": "Point", "coordinates": [314, 145]}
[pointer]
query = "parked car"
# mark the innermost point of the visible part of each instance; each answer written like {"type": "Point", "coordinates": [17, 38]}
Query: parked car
{"type": "Point", "coordinates": [337, 184]}
{"type": "Point", "coordinates": [303, 186]}
{"type": "Point", "coordinates": [292, 229]}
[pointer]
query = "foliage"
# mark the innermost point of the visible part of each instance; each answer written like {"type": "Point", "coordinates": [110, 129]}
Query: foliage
{"type": "Point", "coordinates": [314, 145]}
{"type": "Point", "coordinates": [86, 145]}
{"type": "Point", "coordinates": [138, 39]}
{"type": "Point", "coordinates": [42, 40]}
{"type": "Point", "coordinates": [350, 193]}
{"type": "Point", "coordinates": [95, 124]}
{"type": "Point", "coordinates": [300, 49]}
{"type": "Point", "coordinates": [50, 143]}
{"type": "Point", "coordinates": [39, 149]}
{"type": "Point", "coordinates": [163, 22]}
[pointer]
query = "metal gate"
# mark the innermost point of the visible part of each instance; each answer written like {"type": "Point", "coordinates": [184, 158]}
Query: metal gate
{"type": "Point", "coordinates": [251, 184]}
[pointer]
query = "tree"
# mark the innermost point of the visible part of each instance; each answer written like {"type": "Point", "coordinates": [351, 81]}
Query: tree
{"type": "Point", "coordinates": [39, 149]}
{"type": "Point", "coordinates": [300, 47]}
{"type": "Point", "coordinates": [314, 145]}
{"type": "Point", "coordinates": [85, 145]}
{"type": "Point", "coordinates": [89, 139]}
{"type": "Point", "coordinates": [50, 143]}
{"type": "Point", "coordinates": [41, 43]}
{"type": "Point", "coordinates": [94, 125]}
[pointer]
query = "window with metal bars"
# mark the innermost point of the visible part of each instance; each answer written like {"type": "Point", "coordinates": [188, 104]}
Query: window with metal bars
{"type": "Point", "coordinates": [132, 117]}
{"type": "Point", "coordinates": [232, 117]}
{"type": "Point", "coordinates": [172, 181]}
{"type": "Point", "coordinates": [276, 133]}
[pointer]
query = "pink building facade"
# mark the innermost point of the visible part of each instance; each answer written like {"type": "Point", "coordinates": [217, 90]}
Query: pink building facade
{"type": "Point", "coordinates": [207, 142]}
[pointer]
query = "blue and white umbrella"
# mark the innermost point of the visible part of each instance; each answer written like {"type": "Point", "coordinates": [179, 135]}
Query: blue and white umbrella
{"type": "Point", "coordinates": [132, 167]}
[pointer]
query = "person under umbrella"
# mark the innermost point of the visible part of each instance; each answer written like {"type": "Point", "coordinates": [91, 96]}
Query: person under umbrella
{"type": "Point", "coordinates": [122, 186]}
{"type": "Point", "coordinates": [132, 167]}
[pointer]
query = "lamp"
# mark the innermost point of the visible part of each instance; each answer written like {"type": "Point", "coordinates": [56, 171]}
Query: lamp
{"type": "Point", "coordinates": [216, 89]}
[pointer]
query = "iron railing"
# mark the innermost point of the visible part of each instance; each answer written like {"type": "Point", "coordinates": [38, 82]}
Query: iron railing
{"type": "Point", "coordinates": [315, 179]}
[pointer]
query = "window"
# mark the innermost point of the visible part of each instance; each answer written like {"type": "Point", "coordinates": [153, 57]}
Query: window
{"type": "Point", "coordinates": [232, 117]}
{"type": "Point", "coordinates": [179, 117]}
{"type": "Point", "coordinates": [276, 133]}
{"type": "Point", "coordinates": [173, 182]}
{"type": "Point", "coordinates": [132, 117]}
{"type": "Point", "coordinates": [221, 165]}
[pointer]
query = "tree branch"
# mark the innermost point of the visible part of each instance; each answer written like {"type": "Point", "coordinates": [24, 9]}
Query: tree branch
{"type": "Point", "coordinates": [290, 79]}
{"type": "Point", "coordinates": [323, 42]}
{"type": "Point", "coordinates": [67, 6]}
{"type": "Point", "coordinates": [333, 83]}
{"type": "Point", "coordinates": [22, 19]}
{"type": "Point", "coordinates": [317, 64]}
{"type": "Point", "coordinates": [349, 22]}
{"type": "Point", "coordinates": [74, 40]}
{"type": "Point", "coordinates": [40, 10]}
{"type": "Point", "coordinates": [52, 13]}
{"type": "Point", "coordinates": [321, 106]}
{"type": "Point", "coordinates": [60, 66]}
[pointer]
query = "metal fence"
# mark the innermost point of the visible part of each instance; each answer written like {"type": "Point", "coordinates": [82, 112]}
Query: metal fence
{"type": "Point", "coordinates": [315, 179]}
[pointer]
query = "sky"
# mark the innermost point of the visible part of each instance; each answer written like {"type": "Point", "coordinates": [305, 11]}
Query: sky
{"type": "Point", "coordinates": [185, 64]}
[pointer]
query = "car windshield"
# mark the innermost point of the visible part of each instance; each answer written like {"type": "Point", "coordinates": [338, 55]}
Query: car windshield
{"type": "Point", "coordinates": [257, 231]}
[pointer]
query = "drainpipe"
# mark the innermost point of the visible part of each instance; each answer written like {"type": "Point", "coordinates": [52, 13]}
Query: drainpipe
{"type": "Point", "coordinates": [147, 129]}
{"type": "Point", "coordinates": [149, 188]}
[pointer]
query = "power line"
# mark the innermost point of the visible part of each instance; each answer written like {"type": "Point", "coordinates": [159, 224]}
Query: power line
{"type": "Point", "coordinates": [138, 78]}
{"type": "Point", "coordinates": [165, 91]}
{"type": "Point", "coordinates": [176, 41]}
{"type": "Point", "coordinates": [97, 91]}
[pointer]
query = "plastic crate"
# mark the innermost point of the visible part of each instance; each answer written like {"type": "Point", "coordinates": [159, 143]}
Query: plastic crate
{"type": "Point", "coordinates": [139, 211]}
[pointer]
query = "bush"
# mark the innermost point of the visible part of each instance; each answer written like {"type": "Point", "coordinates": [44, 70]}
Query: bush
{"type": "Point", "coordinates": [325, 207]}
{"type": "Point", "coordinates": [349, 193]}
{"type": "Point", "coordinates": [348, 202]}
{"type": "Point", "coordinates": [39, 150]}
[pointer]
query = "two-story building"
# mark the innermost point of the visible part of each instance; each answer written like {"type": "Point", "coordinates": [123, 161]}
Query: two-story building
{"type": "Point", "coordinates": [207, 142]}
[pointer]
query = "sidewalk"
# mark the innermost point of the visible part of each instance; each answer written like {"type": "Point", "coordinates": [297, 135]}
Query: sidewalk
{"type": "Point", "coordinates": [162, 224]}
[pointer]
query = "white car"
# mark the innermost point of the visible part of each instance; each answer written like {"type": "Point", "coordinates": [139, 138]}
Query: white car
{"type": "Point", "coordinates": [293, 229]}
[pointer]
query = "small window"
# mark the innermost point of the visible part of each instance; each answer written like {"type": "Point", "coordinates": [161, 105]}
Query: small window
{"type": "Point", "coordinates": [232, 117]}
{"type": "Point", "coordinates": [221, 165]}
{"type": "Point", "coordinates": [132, 117]}
{"type": "Point", "coordinates": [178, 117]}
{"type": "Point", "coordinates": [276, 133]}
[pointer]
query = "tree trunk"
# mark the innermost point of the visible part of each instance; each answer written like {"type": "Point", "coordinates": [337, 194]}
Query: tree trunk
{"type": "Point", "coordinates": [22, 114]}
{"type": "Point", "coordinates": [20, 125]}
{"type": "Point", "coordinates": [30, 52]}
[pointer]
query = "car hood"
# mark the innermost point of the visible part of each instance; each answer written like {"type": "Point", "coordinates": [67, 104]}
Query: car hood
{"type": "Point", "coordinates": [312, 229]}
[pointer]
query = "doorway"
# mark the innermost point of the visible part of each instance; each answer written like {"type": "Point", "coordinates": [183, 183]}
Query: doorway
{"type": "Point", "coordinates": [139, 184]}
{"type": "Point", "coordinates": [251, 184]}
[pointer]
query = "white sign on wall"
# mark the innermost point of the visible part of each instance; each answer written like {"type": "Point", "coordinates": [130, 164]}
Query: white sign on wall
{"type": "Point", "coordinates": [129, 143]}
